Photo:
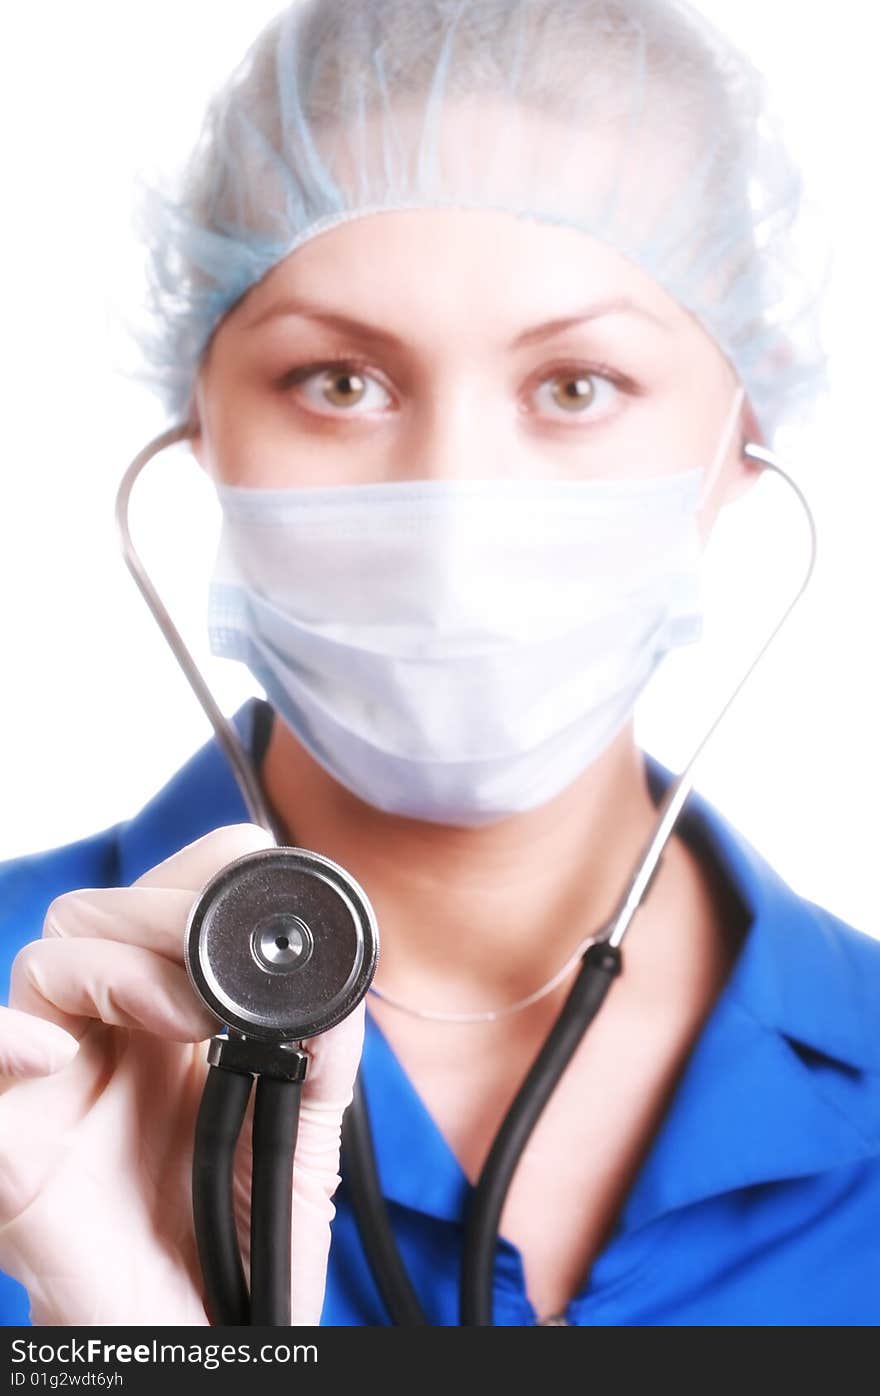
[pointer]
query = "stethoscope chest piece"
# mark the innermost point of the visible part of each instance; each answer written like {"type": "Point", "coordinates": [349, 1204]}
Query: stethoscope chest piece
{"type": "Point", "coordinates": [281, 944]}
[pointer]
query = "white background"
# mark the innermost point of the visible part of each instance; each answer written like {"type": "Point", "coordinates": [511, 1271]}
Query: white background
{"type": "Point", "coordinates": [96, 715]}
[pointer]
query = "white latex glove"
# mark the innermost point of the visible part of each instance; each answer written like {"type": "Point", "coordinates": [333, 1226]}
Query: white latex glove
{"type": "Point", "coordinates": [102, 1064]}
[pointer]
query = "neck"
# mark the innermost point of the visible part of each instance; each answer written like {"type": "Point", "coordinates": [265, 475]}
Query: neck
{"type": "Point", "coordinates": [475, 918]}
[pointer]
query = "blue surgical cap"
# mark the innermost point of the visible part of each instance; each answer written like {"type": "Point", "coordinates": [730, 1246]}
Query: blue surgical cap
{"type": "Point", "coordinates": [634, 121]}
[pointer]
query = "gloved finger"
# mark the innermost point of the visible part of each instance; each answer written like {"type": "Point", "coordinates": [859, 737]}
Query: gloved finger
{"type": "Point", "coordinates": [334, 1060]}
{"type": "Point", "coordinates": [36, 1115]}
{"type": "Point", "coordinates": [327, 1091]}
{"type": "Point", "coordinates": [152, 917]}
{"type": "Point", "coordinates": [150, 913]}
{"type": "Point", "coordinates": [194, 866]}
{"type": "Point", "coordinates": [70, 982]}
{"type": "Point", "coordinates": [31, 1047]}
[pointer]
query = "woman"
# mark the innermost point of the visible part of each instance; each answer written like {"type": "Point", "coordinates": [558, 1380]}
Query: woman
{"type": "Point", "coordinates": [471, 309]}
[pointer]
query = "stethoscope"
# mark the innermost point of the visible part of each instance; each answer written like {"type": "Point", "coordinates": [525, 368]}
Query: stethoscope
{"type": "Point", "coordinates": [281, 945]}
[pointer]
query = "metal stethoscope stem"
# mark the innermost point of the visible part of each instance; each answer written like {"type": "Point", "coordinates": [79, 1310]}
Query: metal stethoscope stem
{"type": "Point", "coordinates": [226, 735]}
{"type": "Point", "coordinates": [678, 792]}
{"type": "Point", "coordinates": [600, 964]}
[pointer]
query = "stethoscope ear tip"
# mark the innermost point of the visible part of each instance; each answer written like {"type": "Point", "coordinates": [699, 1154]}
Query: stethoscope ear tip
{"type": "Point", "coordinates": [758, 454]}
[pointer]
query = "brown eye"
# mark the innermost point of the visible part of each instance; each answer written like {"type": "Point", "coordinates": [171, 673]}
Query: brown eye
{"type": "Point", "coordinates": [340, 384]}
{"type": "Point", "coordinates": [343, 388]}
{"type": "Point", "coordinates": [574, 393]}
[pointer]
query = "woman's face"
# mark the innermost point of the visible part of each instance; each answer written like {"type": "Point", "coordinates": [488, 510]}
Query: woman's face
{"type": "Point", "coordinates": [441, 343]}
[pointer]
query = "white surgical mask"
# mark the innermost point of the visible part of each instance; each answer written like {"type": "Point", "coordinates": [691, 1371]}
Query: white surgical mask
{"type": "Point", "coordinates": [457, 650]}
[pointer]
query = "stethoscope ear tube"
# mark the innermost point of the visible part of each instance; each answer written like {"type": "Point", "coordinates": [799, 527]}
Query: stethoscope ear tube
{"type": "Point", "coordinates": [276, 1118]}
{"type": "Point", "coordinates": [601, 964]}
{"type": "Point", "coordinates": [220, 1118]}
{"type": "Point", "coordinates": [360, 1176]}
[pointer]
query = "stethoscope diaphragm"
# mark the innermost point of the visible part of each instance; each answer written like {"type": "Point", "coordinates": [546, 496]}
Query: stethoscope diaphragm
{"type": "Point", "coordinates": [281, 944]}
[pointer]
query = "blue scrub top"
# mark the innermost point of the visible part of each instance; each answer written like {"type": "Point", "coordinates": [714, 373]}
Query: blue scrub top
{"type": "Point", "coordinates": [758, 1201]}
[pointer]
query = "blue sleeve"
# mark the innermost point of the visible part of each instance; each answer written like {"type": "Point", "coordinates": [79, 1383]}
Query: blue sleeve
{"type": "Point", "coordinates": [28, 886]}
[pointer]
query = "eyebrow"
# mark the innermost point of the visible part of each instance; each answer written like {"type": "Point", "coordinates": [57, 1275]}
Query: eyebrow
{"type": "Point", "coordinates": [348, 325]}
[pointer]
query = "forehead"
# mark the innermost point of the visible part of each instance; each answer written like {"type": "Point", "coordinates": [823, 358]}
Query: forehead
{"type": "Point", "coordinates": [455, 271]}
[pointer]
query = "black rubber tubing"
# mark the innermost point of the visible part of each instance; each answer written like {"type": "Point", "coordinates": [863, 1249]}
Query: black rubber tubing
{"type": "Point", "coordinates": [601, 963]}
{"type": "Point", "coordinates": [218, 1125]}
{"type": "Point", "coordinates": [360, 1173]}
{"type": "Point", "coordinates": [276, 1120]}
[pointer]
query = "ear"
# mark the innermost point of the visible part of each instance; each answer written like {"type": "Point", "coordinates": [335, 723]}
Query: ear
{"type": "Point", "coordinates": [195, 438]}
{"type": "Point", "coordinates": [196, 445]}
{"type": "Point", "coordinates": [748, 471]}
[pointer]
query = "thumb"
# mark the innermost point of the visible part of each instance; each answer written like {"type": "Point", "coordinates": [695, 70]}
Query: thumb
{"type": "Point", "coordinates": [31, 1047]}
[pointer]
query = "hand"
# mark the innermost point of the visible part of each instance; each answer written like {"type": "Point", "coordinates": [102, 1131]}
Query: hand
{"type": "Point", "coordinates": [102, 1064]}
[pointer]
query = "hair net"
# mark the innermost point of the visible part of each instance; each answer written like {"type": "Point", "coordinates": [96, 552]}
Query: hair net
{"type": "Point", "coordinates": [632, 120]}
